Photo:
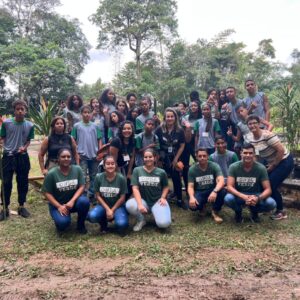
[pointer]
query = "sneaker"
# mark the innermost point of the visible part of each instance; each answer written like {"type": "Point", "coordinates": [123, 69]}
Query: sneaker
{"type": "Point", "coordinates": [23, 212]}
{"type": "Point", "coordinates": [254, 218]}
{"type": "Point", "coordinates": [238, 218]}
{"type": "Point", "coordinates": [4, 214]}
{"type": "Point", "coordinates": [182, 204]}
{"type": "Point", "coordinates": [82, 230]}
{"type": "Point", "coordinates": [139, 225]}
{"type": "Point", "coordinates": [279, 215]}
{"type": "Point", "coordinates": [216, 217]}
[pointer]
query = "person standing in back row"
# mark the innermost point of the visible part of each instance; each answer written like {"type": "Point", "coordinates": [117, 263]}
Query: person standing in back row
{"type": "Point", "coordinates": [257, 102]}
{"type": "Point", "coordinates": [89, 140]}
{"type": "Point", "coordinates": [16, 134]}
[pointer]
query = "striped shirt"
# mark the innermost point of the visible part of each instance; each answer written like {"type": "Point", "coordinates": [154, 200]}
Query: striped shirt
{"type": "Point", "coordinates": [265, 145]}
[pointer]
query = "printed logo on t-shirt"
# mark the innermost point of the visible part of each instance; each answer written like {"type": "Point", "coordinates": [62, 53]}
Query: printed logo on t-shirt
{"type": "Point", "coordinates": [149, 181]}
{"type": "Point", "coordinates": [205, 180]}
{"type": "Point", "coordinates": [67, 185]}
{"type": "Point", "coordinates": [109, 192]}
{"type": "Point", "coordinates": [246, 181]}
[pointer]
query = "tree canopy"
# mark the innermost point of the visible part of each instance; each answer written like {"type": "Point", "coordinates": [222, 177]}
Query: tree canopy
{"type": "Point", "coordinates": [139, 24]}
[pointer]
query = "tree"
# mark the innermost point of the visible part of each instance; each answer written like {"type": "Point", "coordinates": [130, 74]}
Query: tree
{"type": "Point", "coordinates": [42, 52]}
{"type": "Point", "coordinates": [139, 24]}
{"type": "Point", "coordinates": [88, 91]}
{"type": "Point", "coordinates": [27, 12]}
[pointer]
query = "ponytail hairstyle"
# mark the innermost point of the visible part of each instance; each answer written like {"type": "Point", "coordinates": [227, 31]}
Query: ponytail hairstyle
{"type": "Point", "coordinates": [209, 119]}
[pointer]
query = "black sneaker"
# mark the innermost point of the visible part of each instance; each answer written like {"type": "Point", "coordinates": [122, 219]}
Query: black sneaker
{"type": "Point", "coordinates": [182, 204]}
{"type": "Point", "coordinates": [254, 218]}
{"type": "Point", "coordinates": [4, 214]}
{"type": "Point", "coordinates": [238, 218]}
{"type": "Point", "coordinates": [23, 212]}
{"type": "Point", "coordinates": [82, 230]}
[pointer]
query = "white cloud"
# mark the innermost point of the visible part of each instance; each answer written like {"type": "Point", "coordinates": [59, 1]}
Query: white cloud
{"type": "Point", "coordinates": [252, 20]}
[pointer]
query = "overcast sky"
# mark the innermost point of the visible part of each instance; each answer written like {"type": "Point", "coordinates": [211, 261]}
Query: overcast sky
{"type": "Point", "coordinates": [253, 20]}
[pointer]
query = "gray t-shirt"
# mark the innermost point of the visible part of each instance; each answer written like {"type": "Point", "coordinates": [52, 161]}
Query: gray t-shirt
{"type": "Point", "coordinates": [259, 99]}
{"type": "Point", "coordinates": [224, 161]}
{"type": "Point", "coordinates": [16, 134]}
{"type": "Point", "coordinates": [140, 121]}
{"type": "Point", "coordinates": [87, 136]}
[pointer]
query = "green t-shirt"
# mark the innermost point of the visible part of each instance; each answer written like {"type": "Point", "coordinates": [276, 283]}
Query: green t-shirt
{"type": "Point", "coordinates": [150, 184]}
{"type": "Point", "coordinates": [110, 191]}
{"type": "Point", "coordinates": [62, 187]}
{"type": "Point", "coordinates": [248, 182]}
{"type": "Point", "coordinates": [204, 180]}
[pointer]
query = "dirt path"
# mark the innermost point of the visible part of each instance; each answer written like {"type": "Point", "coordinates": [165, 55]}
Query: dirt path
{"type": "Point", "coordinates": [71, 278]}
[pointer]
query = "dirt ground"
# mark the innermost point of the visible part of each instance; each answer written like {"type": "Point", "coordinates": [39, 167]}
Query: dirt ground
{"type": "Point", "coordinates": [70, 278]}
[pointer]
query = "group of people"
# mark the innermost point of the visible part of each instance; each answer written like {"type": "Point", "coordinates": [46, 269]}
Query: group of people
{"type": "Point", "coordinates": [126, 154]}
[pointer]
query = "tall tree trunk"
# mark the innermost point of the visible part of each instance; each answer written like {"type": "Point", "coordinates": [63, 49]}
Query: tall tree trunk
{"type": "Point", "coordinates": [138, 60]}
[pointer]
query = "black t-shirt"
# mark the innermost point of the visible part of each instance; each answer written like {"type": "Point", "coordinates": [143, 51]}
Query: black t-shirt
{"type": "Point", "coordinates": [57, 142]}
{"type": "Point", "coordinates": [124, 151]}
{"type": "Point", "coordinates": [170, 142]}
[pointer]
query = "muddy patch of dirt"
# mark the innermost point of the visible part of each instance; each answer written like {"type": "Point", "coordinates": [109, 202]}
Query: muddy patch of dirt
{"type": "Point", "coordinates": [49, 277]}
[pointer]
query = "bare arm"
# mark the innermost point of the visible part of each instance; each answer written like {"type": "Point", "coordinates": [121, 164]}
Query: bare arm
{"type": "Point", "coordinates": [41, 154]}
{"type": "Point", "coordinates": [279, 153]}
{"type": "Point", "coordinates": [179, 152]}
{"type": "Point", "coordinates": [63, 210]}
{"type": "Point", "coordinates": [114, 152]}
{"type": "Point", "coordinates": [120, 201]}
{"type": "Point", "coordinates": [191, 191]}
{"type": "Point", "coordinates": [74, 151]}
{"type": "Point", "coordinates": [266, 107]}
{"type": "Point", "coordinates": [220, 184]}
{"type": "Point", "coordinates": [131, 162]}
{"type": "Point", "coordinates": [77, 194]}
{"type": "Point", "coordinates": [137, 196]}
{"type": "Point", "coordinates": [232, 190]}
{"type": "Point", "coordinates": [268, 125]}
{"type": "Point", "coordinates": [267, 190]}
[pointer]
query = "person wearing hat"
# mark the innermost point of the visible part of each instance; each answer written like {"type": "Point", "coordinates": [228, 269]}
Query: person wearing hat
{"type": "Point", "coordinates": [206, 185]}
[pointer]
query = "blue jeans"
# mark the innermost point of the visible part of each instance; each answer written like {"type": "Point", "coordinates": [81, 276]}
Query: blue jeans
{"type": "Point", "coordinates": [98, 215]}
{"type": "Point", "coordinates": [277, 176]}
{"type": "Point", "coordinates": [162, 214]}
{"type": "Point", "coordinates": [237, 204]}
{"type": "Point", "coordinates": [202, 196]}
{"type": "Point", "coordinates": [89, 168]}
{"type": "Point", "coordinates": [81, 206]}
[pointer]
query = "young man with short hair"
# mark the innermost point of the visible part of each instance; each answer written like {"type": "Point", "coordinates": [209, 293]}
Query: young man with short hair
{"type": "Point", "coordinates": [88, 138]}
{"type": "Point", "coordinates": [16, 133]}
{"type": "Point", "coordinates": [223, 157]}
{"type": "Point", "coordinates": [145, 115]}
{"type": "Point", "coordinates": [248, 185]}
{"type": "Point", "coordinates": [205, 184]}
{"type": "Point", "coordinates": [257, 102]}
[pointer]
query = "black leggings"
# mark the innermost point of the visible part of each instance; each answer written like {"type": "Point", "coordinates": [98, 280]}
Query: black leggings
{"type": "Point", "coordinates": [175, 175]}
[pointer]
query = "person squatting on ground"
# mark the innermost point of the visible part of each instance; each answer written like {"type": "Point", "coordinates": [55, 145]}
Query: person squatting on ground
{"type": "Point", "coordinates": [63, 188]}
{"type": "Point", "coordinates": [150, 190]}
{"type": "Point", "coordinates": [110, 189]}
{"type": "Point", "coordinates": [248, 185]}
{"type": "Point", "coordinates": [16, 134]}
{"type": "Point", "coordinates": [205, 184]}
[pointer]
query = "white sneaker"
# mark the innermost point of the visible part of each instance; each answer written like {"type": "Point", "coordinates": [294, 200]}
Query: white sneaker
{"type": "Point", "coordinates": [139, 225]}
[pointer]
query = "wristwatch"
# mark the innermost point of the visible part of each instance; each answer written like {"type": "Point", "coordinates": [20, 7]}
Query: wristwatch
{"type": "Point", "coordinates": [216, 191]}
